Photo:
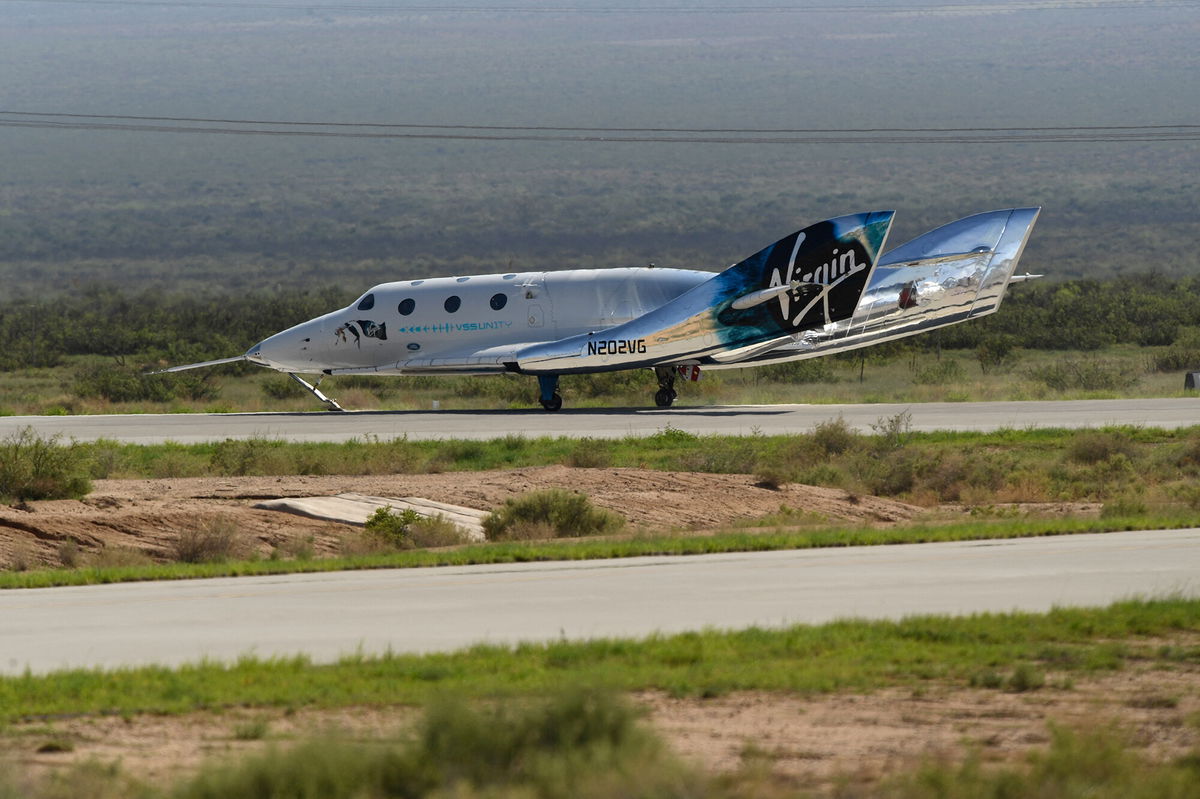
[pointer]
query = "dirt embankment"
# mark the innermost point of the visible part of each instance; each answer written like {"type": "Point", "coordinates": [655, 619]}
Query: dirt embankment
{"type": "Point", "coordinates": [808, 742]}
{"type": "Point", "coordinates": [148, 516]}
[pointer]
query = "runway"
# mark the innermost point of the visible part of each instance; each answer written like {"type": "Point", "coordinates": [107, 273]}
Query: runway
{"type": "Point", "coordinates": [606, 422]}
{"type": "Point", "coordinates": [422, 610]}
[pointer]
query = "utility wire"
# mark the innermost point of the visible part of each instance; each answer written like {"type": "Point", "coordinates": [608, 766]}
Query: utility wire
{"type": "Point", "coordinates": [1148, 134]}
{"type": "Point", "coordinates": [439, 126]}
{"type": "Point", "coordinates": [1021, 5]}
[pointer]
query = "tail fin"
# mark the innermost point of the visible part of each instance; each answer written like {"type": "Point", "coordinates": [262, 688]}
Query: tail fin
{"type": "Point", "coordinates": [808, 279]}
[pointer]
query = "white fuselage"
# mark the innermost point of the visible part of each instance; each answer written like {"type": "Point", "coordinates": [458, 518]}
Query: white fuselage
{"type": "Point", "coordinates": [441, 324]}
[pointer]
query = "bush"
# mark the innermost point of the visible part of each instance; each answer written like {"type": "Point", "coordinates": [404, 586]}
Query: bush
{"type": "Point", "coordinates": [1026, 678]}
{"type": "Point", "coordinates": [1122, 507]}
{"type": "Point", "coordinates": [235, 457]}
{"type": "Point", "coordinates": [1098, 446]}
{"type": "Point", "coordinates": [939, 373]}
{"type": "Point", "coordinates": [436, 531]}
{"type": "Point", "coordinates": [281, 388]}
{"type": "Point", "coordinates": [590, 453]}
{"type": "Point", "coordinates": [1176, 359]}
{"type": "Point", "coordinates": [567, 513]}
{"type": "Point", "coordinates": [1089, 374]}
{"type": "Point", "coordinates": [576, 744]}
{"type": "Point", "coordinates": [213, 541]}
{"type": "Point", "coordinates": [33, 467]}
{"type": "Point", "coordinates": [996, 353]}
{"type": "Point", "coordinates": [119, 383]}
{"type": "Point", "coordinates": [833, 436]}
{"type": "Point", "coordinates": [393, 529]}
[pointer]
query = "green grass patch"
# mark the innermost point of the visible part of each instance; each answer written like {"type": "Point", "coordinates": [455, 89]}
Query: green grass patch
{"type": "Point", "coordinates": [841, 656]}
{"type": "Point", "coordinates": [740, 540]}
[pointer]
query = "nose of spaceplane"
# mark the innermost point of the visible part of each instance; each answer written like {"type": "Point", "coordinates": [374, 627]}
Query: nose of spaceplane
{"type": "Point", "coordinates": [290, 350]}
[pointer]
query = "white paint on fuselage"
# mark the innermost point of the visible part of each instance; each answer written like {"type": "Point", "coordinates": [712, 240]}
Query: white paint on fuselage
{"type": "Point", "coordinates": [533, 307]}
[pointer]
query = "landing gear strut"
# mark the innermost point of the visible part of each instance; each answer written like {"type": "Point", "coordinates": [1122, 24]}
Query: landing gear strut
{"type": "Point", "coordinates": [666, 386]}
{"type": "Point", "coordinates": [548, 388]}
{"type": "Point", "coordinates": [316, 392]}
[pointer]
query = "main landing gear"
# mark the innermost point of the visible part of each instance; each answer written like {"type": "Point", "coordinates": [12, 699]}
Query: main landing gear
{"type": "Point", "coordinates": [316, 392]}
{"type": "Point", "coordinates": [548, 389]}
{"type": "Point", "coordinates": [666, 386]}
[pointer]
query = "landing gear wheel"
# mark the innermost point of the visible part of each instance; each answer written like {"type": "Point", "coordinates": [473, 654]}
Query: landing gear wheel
{"type": "Point", "coordinates": [554, 403]}
{"type": "Point", "coordinates": [664, 397]}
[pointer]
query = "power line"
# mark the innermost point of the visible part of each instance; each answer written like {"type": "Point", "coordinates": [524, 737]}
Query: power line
{"type": "Point", "coordinates": [440, 126]}
{"type": "Point", "coordinates": [1077, 135]}
{"type": "Point", "coordinates": [1020, 5]}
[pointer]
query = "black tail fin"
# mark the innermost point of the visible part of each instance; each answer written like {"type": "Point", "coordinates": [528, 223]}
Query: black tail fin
{"type": "Point", "coordinates": [805, 280]}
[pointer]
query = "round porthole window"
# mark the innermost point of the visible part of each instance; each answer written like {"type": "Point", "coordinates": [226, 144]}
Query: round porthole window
{"type": "Point", "coordinates": [498, 301]}
{"type": "Point", "coordinates": [406, 306]}
{"type": "Point", "coordinates": [452, 303]}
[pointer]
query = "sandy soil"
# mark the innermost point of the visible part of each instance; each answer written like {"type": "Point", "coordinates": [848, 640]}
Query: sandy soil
{"type": "Point", "coordinates": [809, 742]}
{"type": "Point", "coordinates": [147, 516]}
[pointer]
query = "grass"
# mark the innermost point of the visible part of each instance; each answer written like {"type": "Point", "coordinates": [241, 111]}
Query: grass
{"type": "Point", "coordinates": [841, 656]}
{"type": "Point", "coordinates": [737, 540]}
{"type": "Point", "coordinates": [1003, 466]}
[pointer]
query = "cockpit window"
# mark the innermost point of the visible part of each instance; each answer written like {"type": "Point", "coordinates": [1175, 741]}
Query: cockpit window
{"type": "Point", "coordinates": [452, 303]}
{"type": "Point", "coordinates": [499, 301]}
{"type": "Point", "coordinates": [406, 306]}
{"type": "Point", "coordinates": [366, 303]}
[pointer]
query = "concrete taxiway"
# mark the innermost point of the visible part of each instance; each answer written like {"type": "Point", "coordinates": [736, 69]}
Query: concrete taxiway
{"type": "Point", "coordinates": [421, 610]}
{"type": "Point", "coordinates": [606, 422]}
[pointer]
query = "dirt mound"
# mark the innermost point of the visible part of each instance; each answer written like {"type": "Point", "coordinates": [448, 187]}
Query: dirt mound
{"type": "Point", "coordinates": [148, 516]}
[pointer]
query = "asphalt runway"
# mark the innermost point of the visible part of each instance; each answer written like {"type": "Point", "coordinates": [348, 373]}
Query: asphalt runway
{"type": "Point", "coordinates": [422, 610]}
{"type": "Point", "coordinates": [605, 422]}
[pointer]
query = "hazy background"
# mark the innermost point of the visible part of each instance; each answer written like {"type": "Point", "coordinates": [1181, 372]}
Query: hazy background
{"type": "Point", "coordinates": [228, 213]}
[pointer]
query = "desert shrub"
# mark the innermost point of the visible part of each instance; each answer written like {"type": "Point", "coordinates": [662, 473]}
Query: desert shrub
{"type": "Point", "coordinates": [739, 456]}
{"type": "Point", "coordinates": [1096, 446]}
{"type": "Point", "coordinates": [235, 457]}
{"type": "Point", "coordinates": [281, 388]}
{"type": "Point", "coordinates": [892, 432]}
{"type": "Point", "coordinates": [117, 382]}
{"type": "Point", "coordinates": [1189, 453]}
{"type": "Point", "coordinates": [1123, 506]}
{"type": "Point", "coordinates": [809, 370]}
{"type": "Point", "coordinates": [996, 353]}
{"type": "Point", "coordinates": [1088, 374]}
{"type": "Point", "coordinates": [118, 558]}
{"type": "Point", "coordinates": [1026, 677]}
{"type": "Point", "coordinates": [103, 457]}
{"type": "Point", "coordinates": [890, 476]}
{"type": "Point", "coordinates": [393, 529]}
{"type": "Point", "coordinates": [774, 475]}
{"type": "Point", "coordinates": [833, 436]}
{"type": "Point", "coordinates": [568, 513]}
{"type": "Point", "coordinates": [436, 531]}
{"type": "Point", "coordinates": [1176, 359]}
{"type": "Point", "coordinates": [69, 554]}
{"type": "Point", "coordinates": [822, 474]}
{"type": "Point", "coordinates": [213, 541]}
{"type": "Point", "coordinates": [590, 453]}
{"type": "Point", "coordinates": [575, 744]}
{"type": "Point", "coordinates": [939, 373]}
{"type": "Point", "coordinates": [33, 467]}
